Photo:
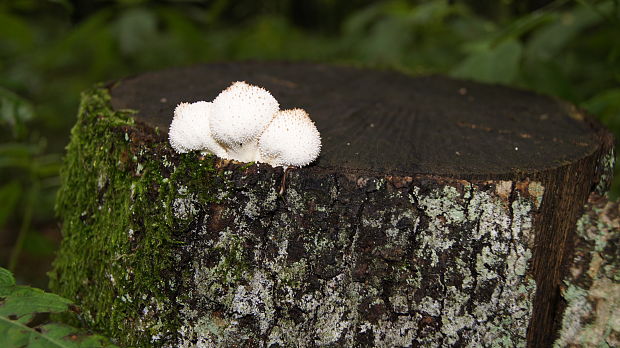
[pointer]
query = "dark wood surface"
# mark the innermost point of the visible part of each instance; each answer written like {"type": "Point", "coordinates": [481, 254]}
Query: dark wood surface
{"type": "Point", "coordinates": [387, 122]}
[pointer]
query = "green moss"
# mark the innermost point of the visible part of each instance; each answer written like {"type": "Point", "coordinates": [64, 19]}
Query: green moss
{"type": "Point", "coordinates": [117, 257]}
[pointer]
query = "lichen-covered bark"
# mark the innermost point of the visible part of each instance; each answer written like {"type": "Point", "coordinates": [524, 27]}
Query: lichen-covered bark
{"type": "Point", "coordinates": [348, 261]}
{"type": "Point", "coordinates": [592, 286]}
{"type": "Point", "coordinates": [169, 250]}
{"type": "Point", "coordinates": [605, 172]}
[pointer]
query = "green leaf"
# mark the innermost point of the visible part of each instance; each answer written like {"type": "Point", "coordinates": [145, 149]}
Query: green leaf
{"type": "Point", "coordinates": [426, 13]}
{"type": "Point", "coordinates": [24, 301]}
{"type": "Point", "coordinates": [6, 280]}
{"type": "Point", "coordinates": [552, 38]}
{"type": "Point", "coordinates": [14, 110]}
{"type": "Point", "coordinates": [22, 155]}
{"type": "Point", "coordinates": [547, 77]}
{"type": "Point", "coordinates": [16, 31]}
{"type": "Point", "coordinates": [523, 25]}
{"type": "Point", "coordinates": [52, 335]}
{"type": "Point", "coordinates": [24, 319]}
{"type": "Point", "coordinates": [495, 64]}
{"type": "Point", "coordinates": [359, 21]}
{"type": "Point", "coordinates": [87, 44]}
{"type": "Point", "coordinates": [606, 105]}
{"type": "Point", "coordinates": [18, 150]}
{"type": "Point", "coordinates": [136, 29]}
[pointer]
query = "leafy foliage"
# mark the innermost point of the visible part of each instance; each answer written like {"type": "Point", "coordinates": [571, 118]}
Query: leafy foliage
{"type": "Point", "coordinates": [24, 319]}
{"type": "Point", "coordinates": [52, 50]}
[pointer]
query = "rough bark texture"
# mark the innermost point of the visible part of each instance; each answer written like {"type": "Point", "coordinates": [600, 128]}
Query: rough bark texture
{"type": "Point", "coordinates": [422, 223]}
{"type": "Point", "coordinates": [591, 289]}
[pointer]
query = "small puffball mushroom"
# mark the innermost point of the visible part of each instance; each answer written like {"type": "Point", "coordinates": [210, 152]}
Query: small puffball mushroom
{"type": "Point", "coordinates": [182, 136]}
{"type": "Point", "coordinates": [291, 139]}
{"type": "Point", "coordinates": [243, 123]}
{"type": "Point", "coordinates": [190, 129]}
{"type": "Point", "coordinates": [240, 114]}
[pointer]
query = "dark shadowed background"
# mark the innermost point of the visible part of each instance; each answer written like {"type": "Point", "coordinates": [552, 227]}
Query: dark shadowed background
{"type": "Point", "coordinates": [50, 50]}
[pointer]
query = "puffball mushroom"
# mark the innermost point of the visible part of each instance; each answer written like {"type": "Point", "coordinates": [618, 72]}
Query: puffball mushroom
{"type": "Point", "coordinates": [190, 129]}
{"type": "Point", "coordinates": [240, 115]}
{"type": "Point", "coordinates": [244, 123]}
{"type": "Point", "coordinates": [291, 139]}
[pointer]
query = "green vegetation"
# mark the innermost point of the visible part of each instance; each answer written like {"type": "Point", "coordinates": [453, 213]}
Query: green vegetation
{"type": "Point", "coordinates": [112, 261]}
{"type": "Point", "coordinates": [25, 319]}
{"type": "Point", "coordinates": [51, 50]}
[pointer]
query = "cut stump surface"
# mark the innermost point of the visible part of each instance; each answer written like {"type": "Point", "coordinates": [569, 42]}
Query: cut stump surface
{"type": "Point", "coordinates": [390, 123]}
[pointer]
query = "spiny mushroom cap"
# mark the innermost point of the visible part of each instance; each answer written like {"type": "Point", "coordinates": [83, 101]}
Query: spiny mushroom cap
{"type": "Point", "coordinates": [190, 129]}
{"type": "Point", "coordinates": [241, 113]}
{"type": "Point", "coordinates": [181, 133]}
{"type": "Point", "coordinates": [291, 139]}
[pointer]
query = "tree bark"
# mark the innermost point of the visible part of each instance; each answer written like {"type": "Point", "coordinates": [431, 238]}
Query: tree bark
{"type": "Point", "coordinates": [591, 288]}
{"type": "Point", "coordinates": [440, 212]}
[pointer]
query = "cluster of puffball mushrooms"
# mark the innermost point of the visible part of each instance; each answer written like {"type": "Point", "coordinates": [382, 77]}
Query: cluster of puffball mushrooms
{"type": "Point", "coordinates": [244, 123]}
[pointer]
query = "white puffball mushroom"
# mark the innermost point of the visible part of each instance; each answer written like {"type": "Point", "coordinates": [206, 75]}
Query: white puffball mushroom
{"type": "Point", "coordinates": [291, 139]}
{"type": "Point", "coordinates": [181, 135]}
{"type": "Point", "coordinates": [244, 123]}
{"type": "Point", "coordinates": [240, 114]}
{"type": "Point", "coordinates": [190, 129]}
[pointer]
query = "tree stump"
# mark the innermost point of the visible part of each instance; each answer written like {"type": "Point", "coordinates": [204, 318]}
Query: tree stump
{"type": "Point", "coordinates": [439, 213]}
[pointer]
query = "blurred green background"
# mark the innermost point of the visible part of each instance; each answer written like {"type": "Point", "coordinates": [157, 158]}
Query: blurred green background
{"type": "Point", "coordinates": [50, 50]}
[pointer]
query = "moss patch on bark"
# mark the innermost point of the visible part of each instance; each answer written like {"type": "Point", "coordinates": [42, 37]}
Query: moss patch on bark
{"type": "Point", "coordinates": [122, 202]}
